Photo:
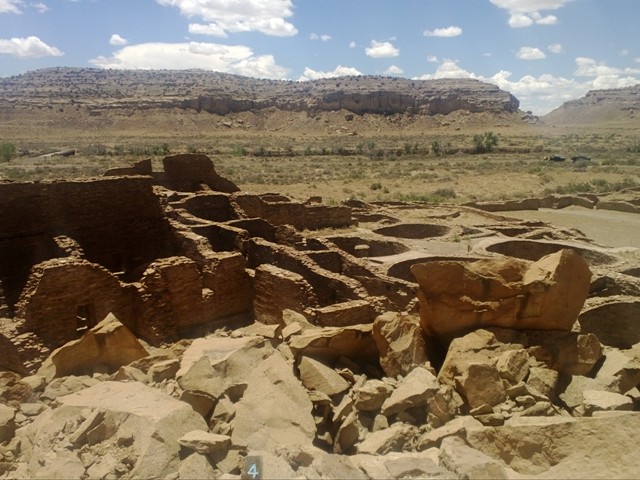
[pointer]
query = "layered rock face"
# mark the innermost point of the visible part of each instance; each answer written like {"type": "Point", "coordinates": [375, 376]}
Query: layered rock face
{"type": "Point", "coordinates": [461, 296]}
{"type": "Point", "coordinates": [223, 93]}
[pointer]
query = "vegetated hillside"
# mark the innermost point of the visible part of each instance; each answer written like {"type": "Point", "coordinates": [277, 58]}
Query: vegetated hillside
{"type": "Point", "coordinates": [617, 105]}
{"type": "Point", "coordinates": [219, 93]}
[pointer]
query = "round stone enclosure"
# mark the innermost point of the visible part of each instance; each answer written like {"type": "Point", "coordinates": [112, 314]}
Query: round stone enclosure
{"type": "Point", "coordinates": [534, 251]}
{"type": "Point", "coordinates": [374, 248]}
{"type": "Point", "coordinates": [414, 230]}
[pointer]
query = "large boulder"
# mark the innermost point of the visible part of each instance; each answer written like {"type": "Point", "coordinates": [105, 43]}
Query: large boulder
{"type": "Point", "coordinates": [564, 447]}
{"type": "Point", "coordinates": [399, 340]}
{"type": "Point", "coordinates": [108, 345]}
{"type": "Point", "coordinates": [275, 409]}
{"type": "Point", "coordinates": [458, 296]}
{"type": "Point", "coordinates": [138, 424]}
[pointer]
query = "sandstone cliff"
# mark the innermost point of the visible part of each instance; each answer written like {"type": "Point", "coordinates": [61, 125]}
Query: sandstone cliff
{"type": "Point", "coordinates": [221, 93]}
{"type": "Point", "coordinates": [598, 106]}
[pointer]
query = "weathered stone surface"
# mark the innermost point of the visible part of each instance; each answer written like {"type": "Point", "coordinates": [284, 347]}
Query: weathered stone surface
{"type": "Point", "coordinates": [620, 371]}
{"type": "Point", "coordinates": [275, 409]}
{"type": "Point", "coordinates": [457, 427]}
{"type": "Point", "coordinates": [615, 323]}
{"type": "Point", "coordinates": [163, 370]}
{"type": "Point", "coordinates": [392, 439]}
{"type": "Point", "coordinates": [414, 390]}
{"type": "Point", "coordinates": [513, 365]}
{"type": "Point", "coordinates": [331, 343]}
{"type": "Point", "coordinates": [399, 340]}
{"type": "Point", "coordinates": [370, 396]}
{"type": "Point", "coordinates": [566, 352]}
{"type": "Point", "coordinates": [466, 462]}
{"type": "Point", "coordinates": [156, 421]}
{"type": "Point", "coordinates": [347, 435]}
{"type": "Point", "coordinates": [543, 380]}
{"type": "Point", "coordinates": [109, 345]}
{"type": "Point", "coordinates": [597, 400]}
{"type": "Point", "coordinates": [196, 467]}
{"type": "Point", "coordinates": [456, 296]}
{"type": "Point", "coordinates": [7, 423]}
{"type": "Point", "coordinates": [66, 385]}
{"type": "Point", "coordinates": [204, 442]}
{"type": "Point", "coordinates": [555, 446]}
{"type": "Point", "coordinates": [231, 362]}
{"type": "Point", "coordinates": [481, 385]}
{"type": "Point", "coordinates": [317, 376]}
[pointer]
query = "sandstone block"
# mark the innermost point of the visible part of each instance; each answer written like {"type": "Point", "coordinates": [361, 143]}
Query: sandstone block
{"type": "Point", "coordinates": [414, 390]}
{"type": "Point", "coordinates": [468, 462]}
{"type": "Point", "coordinates": [399, 340]}
{"type": "Point", "coordinates": [275, 409]}
{"type": "Point", "coordinates": [370, 396]}
{"type": "Point", "coordinates": [456, 297]}
{"type": "Point", "coordinates": [204, 442]}
{"type": "Point", "coordinates": [7, 423]}
{"type": "Point", "coordinates": [513, 365]}
{"type": "Point", "coordinates": [481, 385]}
{"type": "Point", "coordinates": [317, 376]}
{"type": "Point", "coordinates": [597, 400]}
{"type": "Point", "coordinates": [109, 344]}
{"type": "Point", "coordinates": [392, 439]}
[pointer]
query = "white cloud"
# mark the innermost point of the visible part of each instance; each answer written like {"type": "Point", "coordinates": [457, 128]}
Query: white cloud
{"type": "Point", "coordinates": [530, 53]}
{"type": "Point", "coordinates": [236, 59]}
{"type": "Point", "coordinates": [30, 47]}
{"type": "Point", "coordinates": [117, 40]}
{"type": "Point", "coordinates": [432, 59]}
{"type": "Point", "coordinates": [637, 59]}
{"type": "Point", "coordinates": [556, 48]}
{"type": "Point", "coordinates": [339, 71]}
{"type": "Point", "coordinates": [544, 93]}
{"type": "Point", "coordinates": [451, 31]}
{"type": "Point", "coordinates": [40, 7]}
{"type": "Point", "coordinates": [524, 13]}
{"type": "Point", "coordinates": [11, 6]}
{"type": "Point", "coordinates": [448, 69]}
{"type": "Point", "coordinates": [323, 38]}
{"type": "Point", "coordinates": [394, 70]}
{"type": "Point", "coordinates": [231, 16]}
{"type": "Point", "coordinates": [352, 45]}
{"type": "Point", "coordinates": [381, 50]}
{"type": "Point", "coordinates": [624, 52]}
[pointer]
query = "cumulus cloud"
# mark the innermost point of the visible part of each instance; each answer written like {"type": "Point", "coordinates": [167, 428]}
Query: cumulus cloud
{"type": "Point", "coordinates": [556, 48]}
{"type": "Point", "coordinates": [432, 59]}
{"type": "Point", "coordinates": [322, 38]}
{"type": "Point", "coordinates": [530, 53]}
{"type": "Point", "coordinates": [546, 92]}
{"type": "Point", "coordinates": [339, 71]}
{"type": "Point", "coordinates": [30, 47]}
{"type": "Point", "coordinates": [394, 70]}
{"type": "Point", "coordinates": [40, 7]}
{"type": "Point", "coordinates": [524, 13]}
{"type": "Point", "coordinates": [11, 6]}
{"type": "Point", "coordinates": [451, 31]}
{"type": "Point", "coordinates": [235, 59]}
{"type": "Point", "coordinates": [222, 17]}
{"type": "Point", "coordinates": [352, 45]}
{"type": "Point", "coordinates": [117, 40]}
{"type": "Point", "coordinates": [381, 50]}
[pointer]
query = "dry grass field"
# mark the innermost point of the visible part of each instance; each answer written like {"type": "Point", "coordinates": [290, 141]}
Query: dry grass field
{"type": "Point", "coordinates": [369, 157]}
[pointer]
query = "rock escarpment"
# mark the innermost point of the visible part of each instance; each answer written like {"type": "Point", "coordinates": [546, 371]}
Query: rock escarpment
{"type": "Point", "coordinates": [221, 93]}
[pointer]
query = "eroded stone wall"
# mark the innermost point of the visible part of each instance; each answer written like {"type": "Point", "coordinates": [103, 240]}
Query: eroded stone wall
{"type": "Point", "coordinates": [117, 222]}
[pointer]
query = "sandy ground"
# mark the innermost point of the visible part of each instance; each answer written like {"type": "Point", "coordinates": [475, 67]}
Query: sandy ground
{"type": "Point", "coordinates": [605, 227]}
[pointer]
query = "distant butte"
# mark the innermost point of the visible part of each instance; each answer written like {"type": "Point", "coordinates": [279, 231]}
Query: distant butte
{"type": "Point", "coordinates": [222, 93]}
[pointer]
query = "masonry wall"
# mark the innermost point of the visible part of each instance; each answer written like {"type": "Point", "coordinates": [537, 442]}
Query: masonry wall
{"type": "Point", "coordinates": [277, 290]}
{"type": "Point", "coordinates": [118, 223]}
{"type": "Point", "coordinates": [65, 295]}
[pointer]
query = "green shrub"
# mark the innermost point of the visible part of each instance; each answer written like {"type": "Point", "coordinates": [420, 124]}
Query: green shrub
{"type": "Point", "coordinates": [7, 151]}
{"type": "Point", "coordinates": [484, 142]}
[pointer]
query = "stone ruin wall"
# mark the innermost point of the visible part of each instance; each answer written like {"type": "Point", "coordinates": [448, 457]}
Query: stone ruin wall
{"type": "Point", "coordinates": [118, 223]}
{"type": "Point", "coordinates": [169, 264]}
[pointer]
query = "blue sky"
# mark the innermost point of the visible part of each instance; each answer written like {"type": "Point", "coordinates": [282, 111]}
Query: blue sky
{"type": "Point", "coordinates": [545, 52]}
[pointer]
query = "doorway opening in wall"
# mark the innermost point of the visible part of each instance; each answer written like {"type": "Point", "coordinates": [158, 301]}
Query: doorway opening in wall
{"type": "Point", "coordinates": [85, 318]}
